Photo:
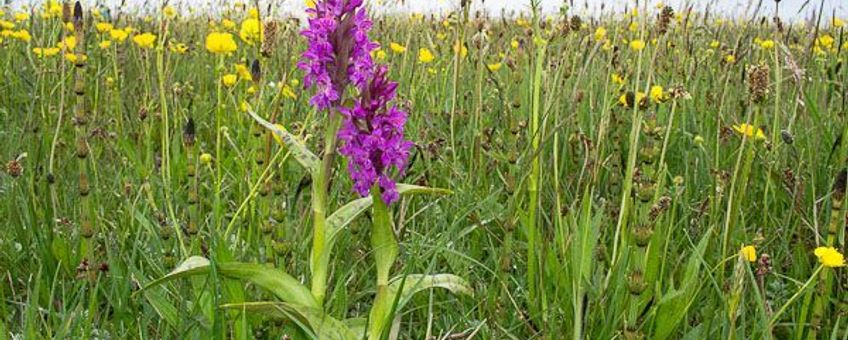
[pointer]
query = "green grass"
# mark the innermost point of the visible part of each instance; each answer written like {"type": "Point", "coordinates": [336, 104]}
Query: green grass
{"type": "Point", "coordinates": [570, 215]}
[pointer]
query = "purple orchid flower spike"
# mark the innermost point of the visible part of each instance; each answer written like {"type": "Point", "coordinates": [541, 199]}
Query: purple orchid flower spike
{"type": "Point", "coordinates": [339, 51]}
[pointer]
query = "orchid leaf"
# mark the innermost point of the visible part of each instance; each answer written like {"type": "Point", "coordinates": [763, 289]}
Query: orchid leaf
{"type": "Point", "coordinates": [301, 153]}
{"type": "Point", "coordinates": [313, 320]}
{"type": "Point", "coordinates": [282, 285]}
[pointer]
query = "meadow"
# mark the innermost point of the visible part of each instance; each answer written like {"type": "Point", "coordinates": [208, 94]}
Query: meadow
{"type": "Point", "coordinates": [656, 173]}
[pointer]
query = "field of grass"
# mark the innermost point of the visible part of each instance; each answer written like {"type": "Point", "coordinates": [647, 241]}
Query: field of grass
{"type": "Point", "coordinates": [658, 173]}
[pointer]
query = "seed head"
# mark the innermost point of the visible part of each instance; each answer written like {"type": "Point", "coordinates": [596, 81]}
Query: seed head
{"type": "Point", "coordinates": [758, 82]}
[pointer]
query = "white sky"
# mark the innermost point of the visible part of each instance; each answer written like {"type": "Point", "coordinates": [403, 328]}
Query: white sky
{"type": "Point", "coordinates": [789, 8]}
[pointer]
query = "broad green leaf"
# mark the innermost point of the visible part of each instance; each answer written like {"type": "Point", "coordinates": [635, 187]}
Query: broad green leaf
{"type": "Point", "coordinates": [163, 307]}
{"type": "Point", "coordinates": [285, 287]}
{"type": "Point", "coordinates": [319, 323]}
{"type": "Point", "coordinates": [674, 305]}
{"type": "Point", "coordinates": [415, 283]}
{"type": "Point", "coordinates": [347, 213]}
{"type": "Point", "coordinates": [301, 153]}
{"type": "Point", "coordinates": [393, 297]}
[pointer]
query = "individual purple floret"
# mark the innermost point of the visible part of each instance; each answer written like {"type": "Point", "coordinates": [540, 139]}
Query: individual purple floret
{"type": "Point", "coordinates": [373, 137]}
{"type": "Point", "coordinates": [339, 50]}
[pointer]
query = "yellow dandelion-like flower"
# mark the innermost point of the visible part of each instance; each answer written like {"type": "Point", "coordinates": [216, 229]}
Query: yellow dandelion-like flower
{"type": "Point", "coordinates": [617, 79]}
{"type": "Point", "coordinates": [22, 35]}
{"type": "Point", "coordinates": [714, 44]}
{"type": "Point", "coordinates": [637, 45]}
{"type": "Point", "coordinates": [220, 43]}
{"type": "Point", "coordinates": [830, 257]}
{"type": "Point", "coordinates": [251, 31]}
{"type": "Point", "coordinates": [825, 41]}
{"type": "Point", "coordinates": [767, 44]}
{"type": "Point", "coordinates": [229, 80]}
{"type": "Point", "coordinates": [68, 44]}
{"type": "Point", "coordinates": [21, 16]}
{"type": "Point", "coordinates": [749, 131]}
{"type": "Point", "coordinates": [118, 36]}
{"type": "Point", "coordinates": [397, 48]}
{"type": "Point", "coordinates": [169, 12]}
{"type": "Point", "coordinates": [288, 92]}
{"type": "Point", "coordinates": [7, 25]}
{"type": "Point", "coordinates": [105, 44]}
{"type": "Point", "coordinates": [244, 72]}
{"type": "Point", "coordinates": [74, 57]}
{"type": "Point", "coordinates": [658, 94]}
{"type": "Point", "coordinates": [425, 56]}
{"type": "Point", "coordinates": [514, 44]}
{"type": "Point", "coordinates": [600, 33]}
{"type": "Point", "coordinates": [228, 24]}
{"type": "Point", "coordinates": [103, 27]}
{"type": "Point", "coordinates": [730, 59]}
{"type": "Point", "coordinates": [749, 253]}
{"type": "Point", "coordinates": [380, 54]}
{"type": "Point", "coordinates": [253, 13]}
{"type": "Point", "coordinates": [461, 49]}
{"type": "Point", "coordinates": [145, 40]}
{"type": "Point", "coordinates": [838, 23]}
{"type": "Point", "coordinates": [179, 48]}
{"type": "Point", "coordinates": [43, 52]}
{"type": "Point", "coordinates": [310, 3]}
{"type": "Point", "coordinates": [495, 67]}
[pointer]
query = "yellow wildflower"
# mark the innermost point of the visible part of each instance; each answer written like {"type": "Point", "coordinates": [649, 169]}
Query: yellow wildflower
{"type": "Point", "coordinates": [179, 48]}
{"type": "Point", "coordinates": [658, 95]}
{"type": "Point", "coordinates": [749, 253]}
{"type": "Point", "coordinates": [244, 72]}
{"type": "Point", "coordinates": [288, 92]}
{"type": "Point", "coordinates": [461, 49]}
{"type": "Point", "coordinates": [21, 16]}
{"type": "Point", "coordinates": [22, 35]}
{"type": "Point", "coordinates": [514, 44]}
{"type": "Point", "coordinates": [600, 33]}
{"type": "Point", "coordinates": [220, 43]}
{"type": "Point", "coordinates": [169, 12]}
{"type": "Point", "coordinates": [229, 80]}
{"type": "Point", "coordinates": [103, 27]}
{"type": "Point", "coordinates": [494, 67]}
{"type": "Point", "coordinates": [637, 45]}
{"type": "Point", "coordinates": [228, 24]}
{"type": "Point", "coordinates": [838, 23]}
{"type": "Point", "coordinates": [397, 48]}
{"type": "Point", "coordinates": [714, 44]}
{"type": "Point", "coordinates": [74, 57]}
{"type": "Point", "coordinates": [380, 54]}
{"type": "Point", "coordinates": [145, 40]}
{"type": "Point", "coordinates": [253, 13]}
{"type": "Point", "coordinates": [767, 44]}
{"type": "Point", "coordinates": [730, 59]}
{"type": "Point", "coordinates": [251, 31]}
{"type": "Point", "coordinates": [118, 35]}
{"type": "Point", "coordinates": [830, 257]}
{"type": "Point", "coordinates": [105, 44]}
{"type": "Point", "coordinates": [750, 131]}
{"type": "Point", "coordinates": [617, 79]}
{"type": "Point", "coordinates": [310, 3]}
{"type": "Point", "coordinates": [7, 25]}
{"type": "Point", "coordinates": [425, 56]}
{"type": "Point", "coordinates": [45, 51]}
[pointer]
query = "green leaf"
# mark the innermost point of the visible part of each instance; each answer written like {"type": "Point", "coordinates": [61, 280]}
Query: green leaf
{"type": "Point", "coordinates": [416, 283]}
{"type": "Point", "coordinates": [163, 307]}
{"type": "Point", "coordinates": [347, 213]}
{"type": "Point", "coordinates": [282, 285]}
{"type": "Point", "coordinates": [319, 323]}
{"type": "Point", "coordinates": [674, 305]}
{"type": "Point", "coordinates": [301, 153]}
